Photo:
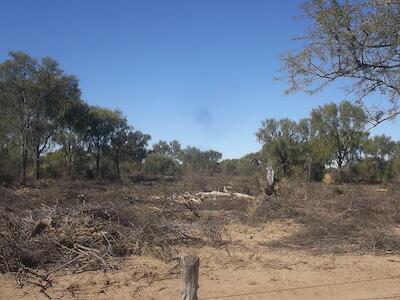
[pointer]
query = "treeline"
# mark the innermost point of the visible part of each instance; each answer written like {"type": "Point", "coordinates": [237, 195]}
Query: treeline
{"type": "Point", "coordinates": [333, 138]}
{"type": "Point", "coordinates": [47, 130]}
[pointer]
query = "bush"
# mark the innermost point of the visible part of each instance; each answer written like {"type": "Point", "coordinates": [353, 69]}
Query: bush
{"type": "Point", "coordinates": [9, 166]}
{"type": "Point", "coordinates": [229, 167]}
{"type": "Point", "coordinates": [246, 168]}
{"type": "Point", "coordinates": [373, 171]}
{"type": "Point", "coordinates": [160, 164]}
{"type": "Point", "coordinates": [53, 164]}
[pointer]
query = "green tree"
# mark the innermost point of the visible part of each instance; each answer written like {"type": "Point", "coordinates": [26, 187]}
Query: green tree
{"type": "Point", "coordinates": [175, 149]}
{"type": "Point", "coordinates": [136, 146]}
{"type": "Point", "coordinates": [353, 40]}
{"type": "Point", "coordinates": [72, 132]}
{"type": "Point", "coordinates": [8, 149]}
{"type": "Point", "coordinates": [339, 131]}
{"type": "Point", "coordinates": [196, 160]}
{"type": "Point", "coordinates": [118, 140]}
{"type": "Point", "coordinates": [35, 94]}
{"type": "Point", "coordinates": [281, 140]}
{"type": "Point", "coordinates": [312, 157]}
{"type": "Point", "coordinates": [18, 98]}
{"type": "Point", "coordinates": [161, 147]}
{"type": "Point", "coordinates": [158, 163]}
{"type": "Point", "coordinates": [172, 149]}
{"type": "Point", "coordinates": [377, 164]}
{"type": "Point", "coordinates": [103, 123]}
{"type": "Point", "coordinates": [229, 167]}
{"type": "Point", "coordinates": [56, 92]}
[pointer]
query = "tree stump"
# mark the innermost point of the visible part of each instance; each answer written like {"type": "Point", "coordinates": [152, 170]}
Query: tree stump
{"type": "Point", "coordinates": [190, 277]}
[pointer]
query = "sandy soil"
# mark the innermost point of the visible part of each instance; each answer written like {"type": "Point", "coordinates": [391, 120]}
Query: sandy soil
{"type": "Point", "coordinates": [246, 269]}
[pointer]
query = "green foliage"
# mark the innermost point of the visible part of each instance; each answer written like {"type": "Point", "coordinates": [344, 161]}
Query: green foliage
{"type": "Point", "coordinates": [353, 40]}
{"type": "Point", "coordinates": [288, 145]}
{"type": "Point", "coordinates": [246, 168]}
{"type": "Point", "coordinates": [70, 136]}
{"type": "Point", "coordinates": [54, 164]}
{"type": "Point", "coordinates": [9, 162]}
{"type": "Point", "coordinates": [195, 160]}
{"type": "Point", "coordinates": [161, 147]}
{"type": "Point", "coordinates": [41, 114]}
{"type": "Point", "coordinates": [172, 149]}
{"type": "Point", "coordinates": [379, 163]}
{"type": "Point", "coordinates": [339, 131]}
{"type": "Point", "coordinates": [103, 125]}
{"type": "Point", "coordinates": [135, 147]}
{"type": "Point", "coordinates": [160, 164]}
{"type": "Point", "coordinates": [229, 167]}
{"type": "Point", "coordinates": [35, 94]}
{"type": "Point", "coordinates": [331, 137]}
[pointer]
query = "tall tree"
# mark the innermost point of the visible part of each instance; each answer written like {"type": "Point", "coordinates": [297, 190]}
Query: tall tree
{"type": "Point", "coordinates": [280, 139]}
{"type": "Point", "coordinates": [200, 161]}
{"type": "Point", "coordinates": [102, 125]}
{"type": "Point", "coordinates": [17, 93]}
{"type": "Point", "coordinates": [35, 94]}
{"type": "Point", "coordinates": [339, 131]}
{"type": "Point", "coordinates": [118, 140]}
{"type": "Point", "coordinates": [379, 153]}
{"type": "Point", "coordinates": [172, 149]}
{"type": "Point", "coordinates": [355, 40]}
{"type": "Point", "coordinates": [161, 147]}
{"type": "Point", "coordinates": [56, 92]}
{"type": "Point", "coordinates": [136, 146]}
{"type": "Point", "coordinates": [72, 132]}
{"type": "Point", "coordinates": [175, 149]}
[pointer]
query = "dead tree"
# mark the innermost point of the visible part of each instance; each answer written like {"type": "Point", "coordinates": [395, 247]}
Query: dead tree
{"type": "Point", "coordinates": [270, 180]}
{"type": "Point", "coordinates": [269, 188]}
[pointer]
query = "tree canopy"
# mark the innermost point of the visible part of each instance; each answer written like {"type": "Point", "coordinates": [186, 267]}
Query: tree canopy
{"type": "Point", "coordinates": [354, 40]}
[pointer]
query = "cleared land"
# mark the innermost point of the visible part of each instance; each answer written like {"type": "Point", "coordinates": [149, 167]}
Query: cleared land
{"type": "Point", "coordinates": [106, 241]}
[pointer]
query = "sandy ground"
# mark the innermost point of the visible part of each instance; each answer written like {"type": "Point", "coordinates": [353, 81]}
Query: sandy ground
{"type": "Point", "coordinates": [246, 269]}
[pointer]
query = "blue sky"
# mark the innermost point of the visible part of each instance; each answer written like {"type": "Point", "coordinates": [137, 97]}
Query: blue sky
{"type": "Point", "coordinates": [197, 71]}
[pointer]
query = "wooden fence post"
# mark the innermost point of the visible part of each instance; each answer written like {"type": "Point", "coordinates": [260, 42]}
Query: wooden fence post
{"type": "Point", "coordinates": [190, 277]}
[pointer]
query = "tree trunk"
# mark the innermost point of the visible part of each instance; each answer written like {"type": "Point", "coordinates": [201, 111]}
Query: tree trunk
{"type": "Point", "coordinates": [98, 162]}
{"type": "Point", "coordinates": [37, 162]}
{"type": "Point", "coordinates": [117, 163]}
{"type": "Point", "coordinates": [190, 277]}
{"type": "Point", "coordinates": [340, 164]}
{"type": "Point", "coordinates": [69, 158]}
{"type": "Point", "coordinates": [24, 158]}
{"type": "Point", "coordinates": [70, 165]}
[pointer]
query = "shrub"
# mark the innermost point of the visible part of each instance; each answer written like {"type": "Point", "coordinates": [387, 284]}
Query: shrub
{"type": "Point", "coordinates": [53, 164]}
{"type": "Point", "coordinates": [229, 167]}
{"type": "Point", "coordinates": [9, 165]}
{"type": "Point", "coordinates": [157, 163]}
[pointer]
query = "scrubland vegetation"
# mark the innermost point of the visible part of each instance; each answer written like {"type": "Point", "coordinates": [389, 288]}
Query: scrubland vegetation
{"type": "Point", "coordinates": [47, 131]}
{"type": "Point", "coordinates": [80, 187]}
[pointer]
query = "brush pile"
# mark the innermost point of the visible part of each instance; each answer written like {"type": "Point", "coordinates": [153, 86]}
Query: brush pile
{"type": "Point", "coordinates": [89, 235]}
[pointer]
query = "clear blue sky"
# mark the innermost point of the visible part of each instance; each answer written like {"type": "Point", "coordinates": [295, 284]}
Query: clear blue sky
{"type": "Point", "coordinates": [199, 71]}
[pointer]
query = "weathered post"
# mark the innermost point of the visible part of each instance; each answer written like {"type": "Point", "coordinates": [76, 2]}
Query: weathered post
{"type": "Point", "coordinates": [190, 277]}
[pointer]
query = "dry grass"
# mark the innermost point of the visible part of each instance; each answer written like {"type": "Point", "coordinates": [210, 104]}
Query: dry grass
{"type": "Point", "coordinates": [92, 223]}
{"type": "Point", "coordinates": [338, 219]}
